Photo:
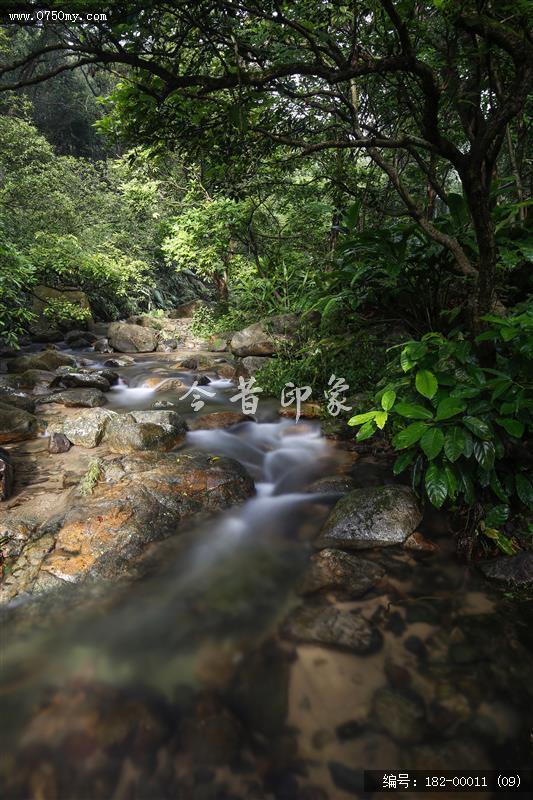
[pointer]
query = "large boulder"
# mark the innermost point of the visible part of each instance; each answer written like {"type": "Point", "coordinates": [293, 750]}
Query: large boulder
{"type": "Point", "coordinates": [47, 360]}
{"type": "Point", "coordinates": [84, 380]}
{"type": "Point", "coordinates": [87, 428]}
{"type": "Point", "coordinates": [17, 399]}
{"type": "Point", "coordinates": [145, 430]}
{"type": "Point", "coordinates": [376, 516]}
{"type": "Point", "coordinates": [513, 571]}
{"type": "Point", "coordinates": [138, 499]}
{"type": "Point", "coordinates": [127, 338]}
{"type": "Point", "coordinates": [74, 337]}
{"type": "Point", "coordinates": [38, 381]}
{"type": "Point", "coordinates": [252, 364]}
{"type": "Point", "coordinates": [16, 425]}
{"type": "Point", "coordinates": [7, 475]}
{"type": "Point", "coordinates": [145, 321]}
{"type": "Point", "coordinates": [82, 398]}
{"type": "Point", "coordinates": [41, 326]}
{"type": "Point", "coordinates": [265, 337]}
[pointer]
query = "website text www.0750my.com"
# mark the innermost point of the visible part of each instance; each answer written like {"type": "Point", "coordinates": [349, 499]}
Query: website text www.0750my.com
{"type": "Point", "coordinates": [46, 15]}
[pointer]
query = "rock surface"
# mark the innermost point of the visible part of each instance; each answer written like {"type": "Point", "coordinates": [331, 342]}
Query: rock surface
{"type": "Point", "coordinates": [329, 625]}
{"type": "Point", "coordinates": [347, 572]}
{"type": "Point", "coordinates": [16, 424]}
{"type": "Point", "coordinates": [513, 570]}
{"type": "Point", "coordinates": [58, 443]}
{"type": "Point", "coordinates": [374, 517]}
{"type": "Point", "coordinates": [138, 499]}
{"type": "Point", "coordinates": [218, 419]}
{"type": "Point", "coordinates": [400, 713]}
{"type": "Point", "coordinates": [145, 430]}
{"type": "Point", "coordinates": [131, 338]}
{"type": "Point", "coordinates": [85, 380]}
{"type": "Point", "coordinates": [83, 398]}
{"type": "Point", "coordinates": [47, 360]}
{"type": "Point", "coordinates": [87, 428]}
{"type": "Point", "coordinates": [7, 475]}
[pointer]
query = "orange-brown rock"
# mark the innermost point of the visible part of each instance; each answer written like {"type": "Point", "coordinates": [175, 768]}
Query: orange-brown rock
{"type": "Point", "coordinates": [218, 419]}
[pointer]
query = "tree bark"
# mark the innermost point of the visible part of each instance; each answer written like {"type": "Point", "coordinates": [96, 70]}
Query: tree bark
{"type": "Point", "coordinates": [478, 199]}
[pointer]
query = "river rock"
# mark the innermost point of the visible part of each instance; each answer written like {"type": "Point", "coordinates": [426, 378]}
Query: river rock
{"type": "Point", "coordinates": [58, 443]}
{"type": "Point", "coordinates": [131, 338]}
{"type": "Point", "coordinates": [512, 570]}
{"type": "Point", "coordinates": [37, 381]}
{"type": "Point", "coordinates": [187, 310]}
{"type": "Point", "coordinates": [332, 626]}
{"type": "Point", "coordinates": [87, 428]}
{"type": "Point", "coordinates": [16, 424]}
{"type": "Point", "coordinates": [373, 517]}
{"type": "Point", "coordinates": [218, 419]}
{"type": "Point", "coordinates": [140, 499]}
{"type": "Point", "coordinates": [166, 384]}
{"type": "Point", "coordinates": [88, 337]}
{"type": "Point", "coordinates": [145, 430]}
{"type": "Point", "coordinates": [219, 343]}
{"type": "Point", "coordinates": [47, 360]}
{"type": "Point", "coordinates": [167, 345]}
{"type": "Point", "coordinates": [332, 484]}
{"type": "Point", "coordinates": [144, 320]}
{"type": "Point", "coordinates": [82, 398]}
{"type": "Point", "coordinates": [102, 345]}
{"type": "Point", "coordinates": [226, 370]}
{"type": "Point", "coordinates": [17, 399]}
{"type": "Point", "coordinates": [252, 364]}
{"type": "Point", "coordinates": [335, 569]}
{"type": "Point", "coordinates": [123, 361]}
{"type": "Point", "coordinates": [400, 713]}
{"type": "Point", "coordinates": [85, 380]}
{"type": "Point", "coordinates": [7, 475]}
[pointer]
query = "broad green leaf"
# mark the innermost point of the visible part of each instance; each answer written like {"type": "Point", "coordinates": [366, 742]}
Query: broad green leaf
{"type": "Point", "coordinates": [388, 399]}
{"type": "Point", "coordinates": [452, 481]}
{"type": "Point", "coordinates": [403, 461]}
{"type": "Point", "coordinates": [426, 383]}
{"type": "Point", "coordinates": [411, 354]}
{"type": "Point", "coordinates": [513, 426]}
{"type": "Point", "coordinates": [524, 489]}
{"type": "Point", "coordinates": [380, 419]}
{"type": "Point", "coordinates": [413, 411]}
{"type": "Point", "coordinates": [449, 407]}
{"type": "Point", "coordinates": [432, 442]}
{"type": "Point", "coordinates": [409, 435]}
{"type": "Point", "coordinates": [503, 542]}
{"type": "Point", "coordinates": [497, 516]}
{"type": "Point", "coordinates": [436, 484]}
{"type": "Point", "coordinates": [455, 443]}
{"type": "Point", "coordinates": [477, 426]}
{"type": "Point", "coordinates": [498, 489]}
{"type": "Point", "coordinates": [359, 419]}
{"type": "Point", "coordinates": [366, 431]}
{"type": "Point", "coordinates": [485, 454]}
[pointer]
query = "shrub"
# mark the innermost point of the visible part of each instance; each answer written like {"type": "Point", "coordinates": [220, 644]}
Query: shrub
{"type": "Point", "coordinates": [16, 278]}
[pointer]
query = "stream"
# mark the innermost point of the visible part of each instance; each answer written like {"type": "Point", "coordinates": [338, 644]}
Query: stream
{"type": "Point", "coordinates": [180, 682]}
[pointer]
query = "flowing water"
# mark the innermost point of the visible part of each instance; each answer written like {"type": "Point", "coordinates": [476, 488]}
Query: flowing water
{"type": "Point", "coordinates": [176, 683]}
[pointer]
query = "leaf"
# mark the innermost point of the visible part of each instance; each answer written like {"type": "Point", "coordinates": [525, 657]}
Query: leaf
{"type": "Point", "coordinates": [485, 454]}
{"type": "Point", "coordinates": [436, 484]}
{"type": "Point", "coordinates": [497, 516]}
{"type": "Point", "coordinates": [359, 419]}
{"type": "Point", "coordinates": [449, 407]}
{"type": "Point", "coordinates": [366, 431]}
{"type": "Point", "coordinates": [452, 481]}
{"type": "Point", "coordinates": [455, 443]}
{"type": "Point", "coordinates": [413, 411]}
{"type": "Point", "coordinates": [409, 435]}
{"type": "Point", "coordinates": [403, 461]}
{"type": "Point", "coordinates": [498, 489]}
{"type": "Point", "coordinates": [381, 418]}
{"type": "Point", "coordinates": [503, 542]}
{"type": "Point", "coordinates": [426, 383]}
{"type": "Point", "coordinates": [411, 353]}
{"type": "Point", "coordinates": [388, 399]}
{"type": "Point", "coordinates": [432, 442]}
{"type": "Point", "coordinates": [458, 209]}
{"type": "Point", "coordinates": [524, 490]}
{"type": "Point", "coordinates": [513, 426]}
{"type": "Point", "coordinates": [477, 426]}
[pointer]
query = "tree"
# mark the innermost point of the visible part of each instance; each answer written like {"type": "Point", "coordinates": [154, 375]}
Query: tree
{"type": "Point", "coordinates": [423, 88]}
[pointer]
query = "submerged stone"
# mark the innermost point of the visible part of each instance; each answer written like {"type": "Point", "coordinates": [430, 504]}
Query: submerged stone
{"type": "Point", "coordinates": [335, 569]}
{"type": "Point", "coordinates": [329, 625]}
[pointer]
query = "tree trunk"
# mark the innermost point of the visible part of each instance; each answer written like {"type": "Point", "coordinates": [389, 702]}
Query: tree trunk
{"type": "Point", "coordinates": [478, 198]}
{"type": "Point", "coordinates": [221, 282]}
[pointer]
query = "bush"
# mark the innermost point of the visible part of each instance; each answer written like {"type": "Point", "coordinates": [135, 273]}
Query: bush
{"type": "Point", "coordinates": [16, 278]}
{"type": "Point", "coordinates": [453, 422]}
{"type": "Point", "coordinates": [62, 313]}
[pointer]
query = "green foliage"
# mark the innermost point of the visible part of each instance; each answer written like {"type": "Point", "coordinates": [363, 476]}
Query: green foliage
{"type": "Point", "coordinates": [16, 277]}
{"type": "Point", "coordinates": [465, 415]}
{"type": "Point", "coordinates": [62, 312]}
{"type": "Point", "coordinates": [91, 478]}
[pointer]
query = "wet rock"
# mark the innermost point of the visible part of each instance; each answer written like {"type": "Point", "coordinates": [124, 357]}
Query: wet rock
{"type": "Point", "coordinates": [15, 532]}
{"type": "Point", "coordinates": [417, 542]}
{"type": "Point", "coordinates": [416, 646]}
{"type": "Point", "coordinates": [401, 714]}
{"type": "Point", "coordinates": [166, 384]}
{"type": "Point", "coordinates": [102, 346]}
{"type": "Point", "coordinates": [212, 735]}
{"type": "Point", "coordinates": [76, 398]}
{"type": "Point", "coordinates": [333, 484]}
{"type": "Point", "coordinates": [164, 404]}
{"type": "Point", "coordinates": [188, 363]}
{"type": "Point", "coordinates": [76, 335]}
{"type": "Point", "coordinates": [345, 778]}
{"type": "Point", "coordinates": [167, 345]}
{"type": "Point", "coordinates": [110, 375]}
{"type": "Point", "coordinates": [373, 517]}
{"type": "Point", "coordinates": [38, 381]}
{"type": "Point", "coordinates": [218, 419]}
{"type": "Point", "coordinates": [459, 754]}
{"type": "Point", "coordinates": [16, 425]}
{"type": "Point", "coordinates": [226, 370]}
{"type": "Point", "coordinates": [329, 625]}
{"type": "Point", "coordinates": [131, 338]}
{"type": "Point", "coordinates": [399, 677]}
{"type": "Point", "coordinates": [335, 569]}
{"type": "Point", "coordinates": [145, 430]}
{"type": "Point", "coordinates": [7, 475]}
{"type": "Point", "coordinates": [307, 411]}
{"type": "Point", "coordinates": [140, 499]}
{"type": "Point", "coordinates": [17, 399]}
{"type": "Point", "coordinates": [87, 428]}
{"type": "Point", "coordinates": [58, 443]}
{"type": "Point", "coordinates": [123, 361]}
{"type": "Point", "coordinates": [85, 380]}
{"type": "Point", "coordinates": [47, 360]}
{"type": "Point", "coordinates": [144, 320]}
{"type": "Point", "coordinates": [219, 344]}
{"type": "Point", "coordinates": [252, 364]}
{"type": "Point", "coordinates": [202, 380]}
{"type": "Point", "coordinates": [511, 570]}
